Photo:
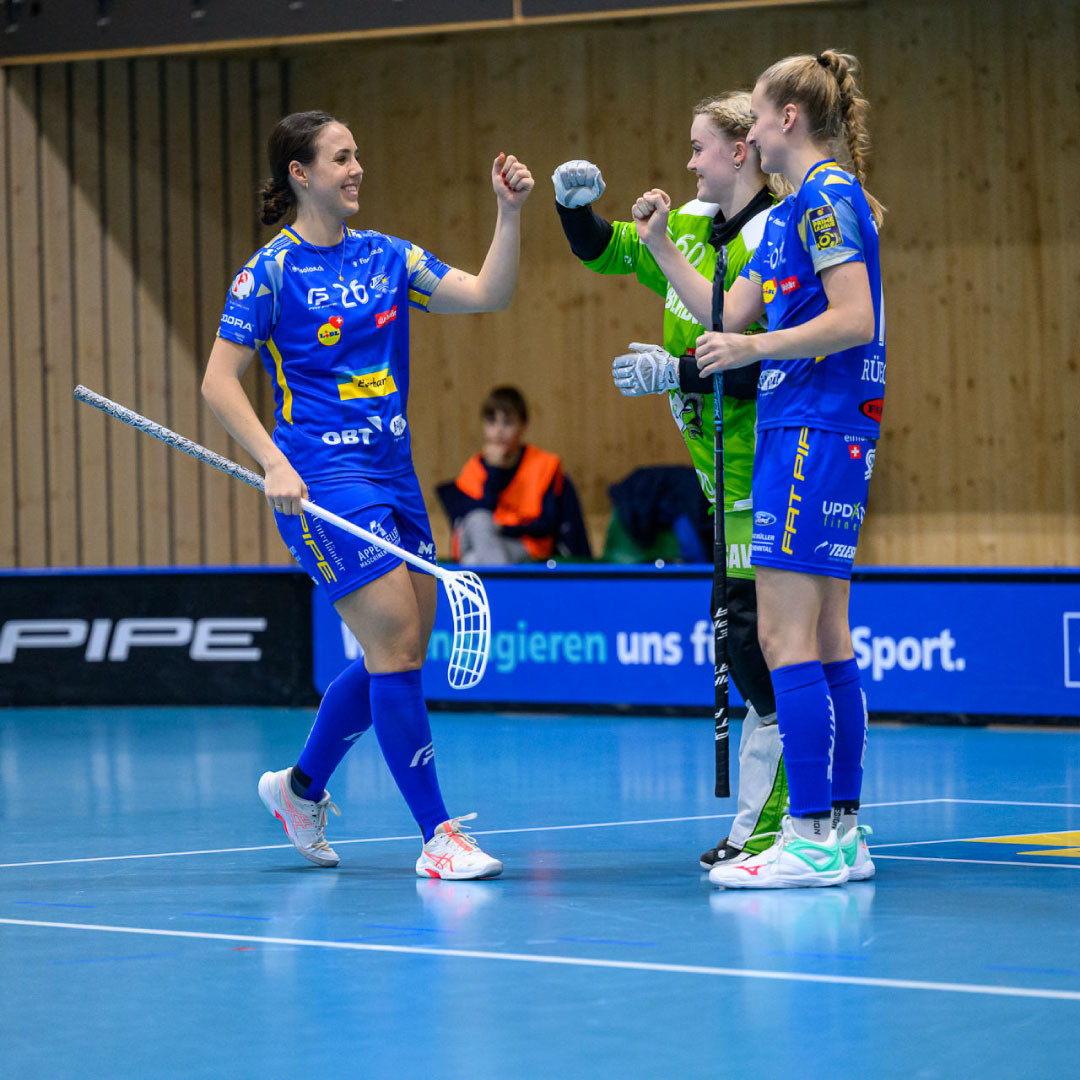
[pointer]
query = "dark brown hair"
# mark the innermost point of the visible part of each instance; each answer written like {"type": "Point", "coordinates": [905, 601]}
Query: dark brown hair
{"type": "Point", "coordinates": [293, 139]}
{"type": "Point", "coordinates": [505, 399]}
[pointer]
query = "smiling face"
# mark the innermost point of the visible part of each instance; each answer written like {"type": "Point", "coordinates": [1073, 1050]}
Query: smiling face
{"type": "Point", "coordinates": [330, 183]}
{"type": "Point", "coordinates": [768, 132]}
{"type": "Point", "coordinates": [712, 160]}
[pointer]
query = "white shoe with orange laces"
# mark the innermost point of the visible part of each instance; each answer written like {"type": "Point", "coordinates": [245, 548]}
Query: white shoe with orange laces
{"type": "Point", "coordinates": [304, 819]}
{"type": "Point", "coordinates": [454, 855]}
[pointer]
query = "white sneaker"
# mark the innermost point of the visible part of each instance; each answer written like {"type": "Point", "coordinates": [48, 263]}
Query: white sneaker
{"type": "Point", "coordinates": [304, 819]}
{"type": "Point", "coordinates": [857, 853]}
{"type": "Point", "coordinates": [791, 863]}
{"type": "Point", "coordinates": [454, 855]}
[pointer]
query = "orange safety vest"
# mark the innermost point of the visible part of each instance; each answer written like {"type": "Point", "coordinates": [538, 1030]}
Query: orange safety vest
{"type": "Point", "coordinates": [522, 499]}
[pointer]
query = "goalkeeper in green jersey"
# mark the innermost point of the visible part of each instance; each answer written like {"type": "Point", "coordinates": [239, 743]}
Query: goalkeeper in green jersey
{"type": "Point", "coordinates": [733, 201]}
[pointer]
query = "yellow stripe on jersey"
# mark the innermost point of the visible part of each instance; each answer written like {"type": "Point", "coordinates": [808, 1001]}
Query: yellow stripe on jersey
{"type": "Point", "coordinates": [422, 282]}
{"type": "Point", "coordinates": [286, 393]}
{"type": "Point", "coordinates": [367, 384]}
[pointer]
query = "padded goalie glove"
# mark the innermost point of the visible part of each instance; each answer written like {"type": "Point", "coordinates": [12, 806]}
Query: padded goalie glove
{"type": "Point", "coordinates": [646, 369]}
{"type": "Point", "coordinates": [577, 183]}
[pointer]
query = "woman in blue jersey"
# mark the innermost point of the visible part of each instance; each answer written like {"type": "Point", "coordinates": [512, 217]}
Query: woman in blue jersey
{"type": "Point", "coordinates": [326, 308]}
{"type": "Point", "coordinates": [816, 277]}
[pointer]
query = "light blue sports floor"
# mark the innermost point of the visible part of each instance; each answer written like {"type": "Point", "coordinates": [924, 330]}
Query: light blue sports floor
{"type": "Point", "coordinates": [154, 922]}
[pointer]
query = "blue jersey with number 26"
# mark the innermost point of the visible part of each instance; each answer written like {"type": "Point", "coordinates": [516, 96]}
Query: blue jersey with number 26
{"type": "Point", "coordinates": [331, 326]}
{"type": "Point", "coordinates": [825, 223]}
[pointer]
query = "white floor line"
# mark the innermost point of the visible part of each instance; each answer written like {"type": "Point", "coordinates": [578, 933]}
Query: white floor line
{"type": "Point", "coordinates": [1013, 802]}
{"type": "Point", "coordinates": [366, 840]}
{"type": "Point", "coordinates": [993, 838]}
{"type": "Point", "coordinates": [981, 862]}
{"type": "Point", "coordinates": [533, 828]}
{"type": "Point", "coordinates": [575, 961]}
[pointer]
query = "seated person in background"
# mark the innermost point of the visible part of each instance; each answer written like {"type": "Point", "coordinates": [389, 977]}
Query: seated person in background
{"type": "Point", "coordinates": [512, 503]}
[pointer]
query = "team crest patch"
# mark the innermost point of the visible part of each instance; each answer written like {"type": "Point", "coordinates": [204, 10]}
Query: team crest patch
{"type": "Point", "coordinates": [824, 226]}
{"type": "Point", "coordinates": [242, 285]}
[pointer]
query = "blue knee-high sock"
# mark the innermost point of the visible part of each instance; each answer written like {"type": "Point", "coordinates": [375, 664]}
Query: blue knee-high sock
{"type": "Point", "coordinates": [849, 704]}
{"type": "Point", "coordinates": [804, 713]}
{"type": "Point", "coordinates": [404, 733]}
{"type": "Point", "coordinates": [344, 715]}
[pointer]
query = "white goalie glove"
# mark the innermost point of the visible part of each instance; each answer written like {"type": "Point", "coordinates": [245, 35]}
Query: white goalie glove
{"type": "Point", "coordinates": [577, 183]}
{"type": "Point", "coordinates": [646, 369]}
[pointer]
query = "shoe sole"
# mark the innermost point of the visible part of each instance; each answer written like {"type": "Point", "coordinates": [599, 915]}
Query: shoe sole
{"type": "Point", "coordinates": [782, 883]}
{"type": "Point", "coordinates": [485, 875]}
{"type": "Point", "coordinates": [265, 785]}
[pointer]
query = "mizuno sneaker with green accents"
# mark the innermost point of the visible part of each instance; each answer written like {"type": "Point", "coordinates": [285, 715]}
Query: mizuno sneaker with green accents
{"type": "Point", "coordinates": [857, 854]}
{"type": "Point", "coordinates": [791, 863]}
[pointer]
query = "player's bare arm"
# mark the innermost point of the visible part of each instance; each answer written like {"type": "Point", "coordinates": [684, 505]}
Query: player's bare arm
{"type": "Point", "coordinates": [491, 289]}
{"type": "Point", "coordinates": [223, 392]}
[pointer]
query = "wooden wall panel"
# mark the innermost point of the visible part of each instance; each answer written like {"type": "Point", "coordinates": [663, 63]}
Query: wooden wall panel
{"type": "Point", "coordinates": [91, 466]}
{"type": "Point", "coordinates": [150, 257]}
{"type": "Point", "coordinates": [8, 543]}
{"type": "Point", "coordinates": [123, 444]}
{"type": "Point", "coordinates": [976, 127]}
{"type": "Point", "coordinates": [30, 446]}
{"type": "Point", "coordinates": [183, 383]}
{"type": "Point", "coordinates": [209, 284]}
{"type": "Point", "coordinates": [57, 320]}
{"type": "Point", "coordinates": [271, 94]}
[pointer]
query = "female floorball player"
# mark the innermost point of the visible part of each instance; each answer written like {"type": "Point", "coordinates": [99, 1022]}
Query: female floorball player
{"type": "Point", "coordinates": [816, 276]}
{"type": "Point", "coordinates": [733, 201]}
{"type": "Point", "coordinates": [327, 309]}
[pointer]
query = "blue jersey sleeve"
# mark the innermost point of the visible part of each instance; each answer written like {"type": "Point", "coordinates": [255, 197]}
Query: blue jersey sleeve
{"type": "Point", "coordinates": [251, 303]}
{"type": "Point", "coordinates": [831, 233]}
{"type": "Point", "coordinates": [752, 270]}
{"type": "Point", "coordinates": [425, 272]}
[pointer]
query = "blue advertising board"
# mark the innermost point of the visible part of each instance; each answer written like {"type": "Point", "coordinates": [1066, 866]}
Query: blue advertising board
{"type": "Point", "coordinates": [930, 642]}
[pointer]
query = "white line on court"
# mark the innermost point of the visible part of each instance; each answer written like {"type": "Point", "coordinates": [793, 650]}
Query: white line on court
{"type": "Point", "coordinates": [981, 862]}
{"type": "Point", "coordinates": [368, 840]}
{"type": "Point", "coordinates": [1012, 802]}
{"type": "Point", "coordinates": [533, 828]}
{"type": "Point", "coordinates": [576, 961]}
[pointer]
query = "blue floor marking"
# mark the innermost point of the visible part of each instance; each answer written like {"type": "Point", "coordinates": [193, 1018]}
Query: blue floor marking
{"type": "Point", "coordinates": [602, 923]}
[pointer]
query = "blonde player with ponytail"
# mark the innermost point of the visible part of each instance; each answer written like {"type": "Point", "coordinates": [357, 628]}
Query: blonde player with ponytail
{"type": "Point", "coordinates": [816, 277]}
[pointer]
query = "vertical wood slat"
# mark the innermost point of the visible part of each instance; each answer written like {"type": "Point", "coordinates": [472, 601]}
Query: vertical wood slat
{"type": "Point", "coordinates": [247, 509]}
{"type": "Point", "coordinates": [91, 465]}
{"type": "Point", "coordinates": [215, 502]}
{"type": "Point", "coordinates": [7, 360]}
{"type": "Point", "coordinates": [150, 254]}
{"type": "Point", "coordinates": [180, 214]}
{"type": "Point", "coordinates": [30, 449]}
{"type": "Point", "coordinates": [59, 359]}
{"type": "Point", "coordinates": [118, 280]}
{"type": "Point", "coordinates": [269, 106]}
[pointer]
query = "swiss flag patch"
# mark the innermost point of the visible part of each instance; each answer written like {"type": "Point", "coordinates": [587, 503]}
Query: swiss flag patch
{"type": "Point", "coordinates": [855, 452]}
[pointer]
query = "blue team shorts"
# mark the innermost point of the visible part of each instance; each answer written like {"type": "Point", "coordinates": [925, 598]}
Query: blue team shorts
{"type": "Point", "coordinates": [810, 491]}
{"type": "Point", "coordinates": [341, 563]}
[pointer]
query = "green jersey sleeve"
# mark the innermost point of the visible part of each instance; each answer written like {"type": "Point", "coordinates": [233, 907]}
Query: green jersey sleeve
{"type": "Point", "coordinates": [626, 254]}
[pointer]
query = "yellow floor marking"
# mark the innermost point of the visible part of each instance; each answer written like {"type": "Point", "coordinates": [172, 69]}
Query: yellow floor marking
{"type": "Point", "coordinates": [1051, 840]}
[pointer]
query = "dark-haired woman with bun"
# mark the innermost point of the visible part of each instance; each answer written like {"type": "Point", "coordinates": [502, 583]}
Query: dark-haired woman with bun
{"type": "Point", "coordinates": [326, 309]}
{"type": "Point", "coordinates": [816, 277]}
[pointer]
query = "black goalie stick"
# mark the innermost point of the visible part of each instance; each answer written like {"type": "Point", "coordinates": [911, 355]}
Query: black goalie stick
{"type": "Point", "coordinates": [719, 591]}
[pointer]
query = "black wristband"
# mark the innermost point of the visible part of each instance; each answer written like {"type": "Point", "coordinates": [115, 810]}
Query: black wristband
{"type": "Point", "coordinates": [690, 380]}
{"type": "Point", "coordinates": [739, 383]}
